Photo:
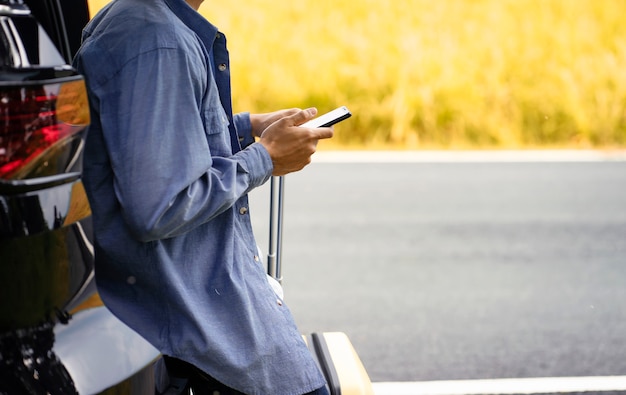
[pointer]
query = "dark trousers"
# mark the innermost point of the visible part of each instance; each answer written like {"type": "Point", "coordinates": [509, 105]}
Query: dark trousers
{"type": "Point", "coordinates": [202, 384]}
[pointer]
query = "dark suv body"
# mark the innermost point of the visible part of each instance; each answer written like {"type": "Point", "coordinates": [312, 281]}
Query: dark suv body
{"type": "Point", "coordinates": [50, 343]}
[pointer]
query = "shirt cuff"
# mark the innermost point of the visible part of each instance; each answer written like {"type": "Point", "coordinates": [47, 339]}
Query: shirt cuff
{"type": "Point", "coordinates": [243, 126]}
{"type": "Point", "coordinates": [256, 161]}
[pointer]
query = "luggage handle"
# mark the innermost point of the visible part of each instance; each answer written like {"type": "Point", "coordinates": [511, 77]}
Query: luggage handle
{"type": "Point", "coordinates": [274, 258]}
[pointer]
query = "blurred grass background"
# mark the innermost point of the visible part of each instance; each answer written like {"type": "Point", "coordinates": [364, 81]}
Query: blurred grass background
{"type": "Point", "coordinates": [445, 74]}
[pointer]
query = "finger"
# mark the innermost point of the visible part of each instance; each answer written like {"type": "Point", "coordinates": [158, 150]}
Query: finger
{"type": "Point", "coordinates": [323, 133]}
{"type": "Point", "coordinates": [289, 112]}
{"type": "Point", "coordinates": [304, 115]}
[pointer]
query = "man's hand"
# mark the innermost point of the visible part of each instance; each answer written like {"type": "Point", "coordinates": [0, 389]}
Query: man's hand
{"type": "Point", "coordinates": [289, 145]}
{"type": "Point", "coordinates": [260, 122]}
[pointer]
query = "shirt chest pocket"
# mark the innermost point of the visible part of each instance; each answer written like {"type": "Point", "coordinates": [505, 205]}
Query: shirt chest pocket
{"type": "Point", "coordinates": [215, 124]}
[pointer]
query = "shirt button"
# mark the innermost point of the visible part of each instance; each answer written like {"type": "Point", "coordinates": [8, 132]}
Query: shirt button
{"type": "Point", "coordinates": [256, 258]}
{"type": "Point", "coordinates": [279, 302]}
{"type": "Point", "coordinates": [243, 210]}
{"type": "Point", "coordinates": [221, 67]}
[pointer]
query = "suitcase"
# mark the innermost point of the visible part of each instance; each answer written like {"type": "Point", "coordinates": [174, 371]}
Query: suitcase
{"type": "Point", "coordinates": [333, 351]}
{"type": "Point", "coordinates": [340, 364]}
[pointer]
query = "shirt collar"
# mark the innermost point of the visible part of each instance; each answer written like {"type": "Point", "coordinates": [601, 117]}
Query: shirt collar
{"type": "Point", "coordinates": [196, 22]}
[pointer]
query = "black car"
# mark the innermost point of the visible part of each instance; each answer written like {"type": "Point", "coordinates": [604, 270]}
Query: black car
{"type": "Point", "coordinates": [55, 337]}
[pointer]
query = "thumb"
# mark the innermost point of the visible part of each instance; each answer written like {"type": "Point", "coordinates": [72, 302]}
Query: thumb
{"type": "Point", "coordinates": [304, 115]}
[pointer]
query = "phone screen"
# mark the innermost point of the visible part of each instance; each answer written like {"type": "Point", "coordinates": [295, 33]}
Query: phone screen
{"type": "Point", "coordinates": [329, 119]}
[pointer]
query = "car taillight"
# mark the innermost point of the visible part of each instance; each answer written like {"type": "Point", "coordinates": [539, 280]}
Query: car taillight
{"type": "Point", "coordinates": [35, 118]}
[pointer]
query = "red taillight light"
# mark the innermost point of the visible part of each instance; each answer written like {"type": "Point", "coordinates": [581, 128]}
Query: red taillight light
{"type": "Point", "coordinates": [34, 118]}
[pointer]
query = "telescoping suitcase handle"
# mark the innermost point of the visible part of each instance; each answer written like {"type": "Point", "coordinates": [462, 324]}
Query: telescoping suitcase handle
{"type": "Point", "coordinates": [333, 351]}
{"type": "Point", "coordinates": [277, 193]}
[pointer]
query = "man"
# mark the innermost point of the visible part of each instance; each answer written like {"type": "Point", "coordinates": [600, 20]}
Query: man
{"type": "Point", "coordinates": [167, 180]}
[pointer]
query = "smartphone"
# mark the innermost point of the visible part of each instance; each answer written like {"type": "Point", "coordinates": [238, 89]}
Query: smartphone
{"type": "Point", "coordinates": [328, 119]}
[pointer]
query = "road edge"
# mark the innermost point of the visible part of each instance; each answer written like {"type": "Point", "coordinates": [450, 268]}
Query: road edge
{"type": "Point", "coordinates": [470, 156]}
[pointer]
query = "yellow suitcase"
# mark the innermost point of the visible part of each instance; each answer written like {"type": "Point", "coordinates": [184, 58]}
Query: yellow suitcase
{"type": "Point", "coordinates": [341, 365]}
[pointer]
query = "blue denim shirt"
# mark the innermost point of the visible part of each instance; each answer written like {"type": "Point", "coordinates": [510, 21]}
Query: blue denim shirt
{"type": "Point", "coordinates": [167, 182]}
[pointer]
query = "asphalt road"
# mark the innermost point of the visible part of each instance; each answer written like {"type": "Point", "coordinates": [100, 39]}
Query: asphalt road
{"type": "Point", "coordinates": [460, 270]}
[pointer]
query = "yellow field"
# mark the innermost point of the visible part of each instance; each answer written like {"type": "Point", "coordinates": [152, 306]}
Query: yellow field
{"type": "Point", "coordinates": [437, 74]}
